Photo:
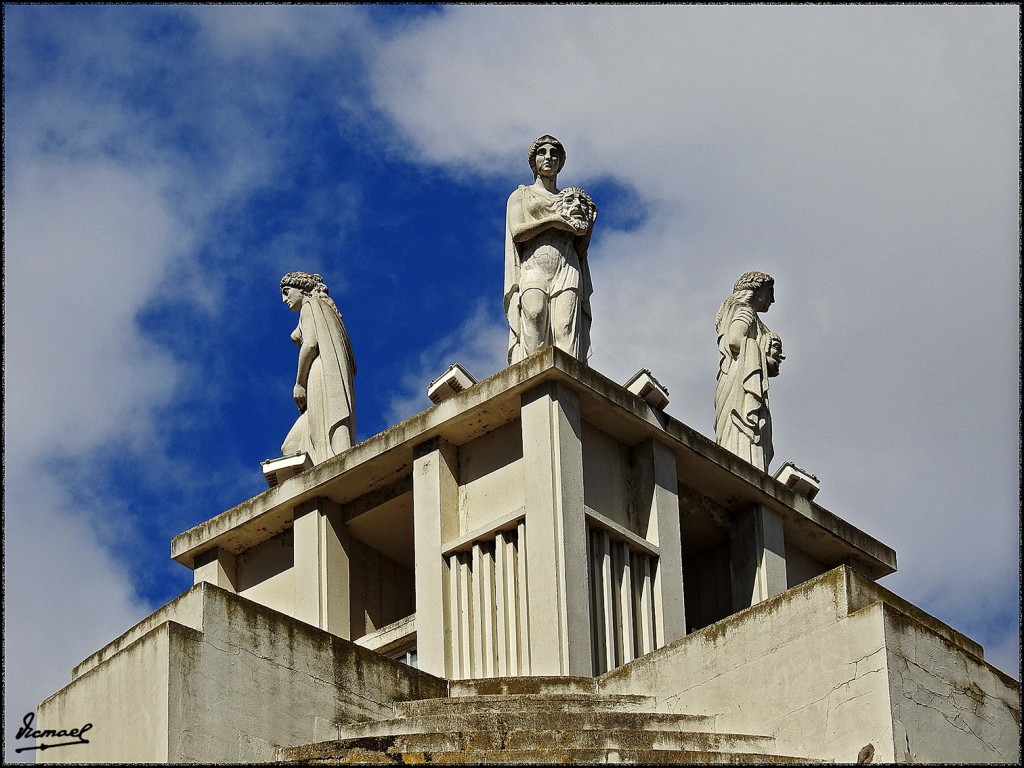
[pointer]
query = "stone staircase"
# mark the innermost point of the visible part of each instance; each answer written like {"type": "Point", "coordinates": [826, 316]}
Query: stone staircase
{"type": "Point", "coordinates": [535, 720]}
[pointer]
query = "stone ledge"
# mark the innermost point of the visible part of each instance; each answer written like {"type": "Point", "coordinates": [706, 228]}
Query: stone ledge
{"type": "Point", "coordinates": [521, 685]}
{"type": "Point", "coordinates": [862, 592]}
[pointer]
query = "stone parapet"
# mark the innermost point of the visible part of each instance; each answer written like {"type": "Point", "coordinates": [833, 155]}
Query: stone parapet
{"type": "Point", "coordinates": [236, 686]}
{"type": "Point", "coordinates": [792, 666]}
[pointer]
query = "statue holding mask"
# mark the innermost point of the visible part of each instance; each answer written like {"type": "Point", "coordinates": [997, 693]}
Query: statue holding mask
{"type": "Point", "coordinates": [748, 355]}
{"type": "Point", "coordinates": [547, 277]}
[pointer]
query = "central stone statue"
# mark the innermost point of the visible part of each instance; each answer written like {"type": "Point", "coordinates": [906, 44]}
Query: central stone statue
{"type": "Point", "coordinates": [547, 277]}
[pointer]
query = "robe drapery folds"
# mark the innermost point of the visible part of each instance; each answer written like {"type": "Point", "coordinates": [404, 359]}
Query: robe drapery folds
{"type": "Point", "coordinates": [528, 209]}
{"type": "Point", "coordinates": [327, 426]}
{"type": "Point", "coordinates": [743, 422]}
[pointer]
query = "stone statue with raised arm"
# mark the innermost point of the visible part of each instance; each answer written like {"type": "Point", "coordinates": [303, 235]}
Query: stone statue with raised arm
{"type": "Point", "coordinates": [748, 355]}
{"type": "Point", "coordinates": [547, 277]}
{"type": "Point", "coordinates": [324, 391]}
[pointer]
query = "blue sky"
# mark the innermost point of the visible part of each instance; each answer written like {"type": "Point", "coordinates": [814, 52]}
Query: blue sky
{"type": "Point", "coordinates": [165, 165]}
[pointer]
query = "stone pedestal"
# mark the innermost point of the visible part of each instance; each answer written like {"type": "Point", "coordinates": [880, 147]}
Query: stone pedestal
{"type": "Point", "coordinates": [528, 525]}
{"type": "Point", "coordinates": [556, 533]}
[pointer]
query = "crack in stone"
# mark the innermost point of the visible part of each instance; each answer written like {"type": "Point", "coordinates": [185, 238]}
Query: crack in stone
{"type": "Point", "coordinates": [351, 695]}
{"type": "Point", "coordinates": [954, 699]}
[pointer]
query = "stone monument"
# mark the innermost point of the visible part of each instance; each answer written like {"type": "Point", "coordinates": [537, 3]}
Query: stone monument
{"type": "Point", "coordinates": [544, 567]}
{"type": "Point", "coordinates": [748, 355]}
{"type": "Point", "coordinates": [547, 277]}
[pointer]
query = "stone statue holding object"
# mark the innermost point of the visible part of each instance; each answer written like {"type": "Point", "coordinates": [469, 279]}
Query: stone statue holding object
{"type": "Point", "coordinates": [547, 277]}
{"type": "Point", "coordinates": [749, 354]}
{"type": "Point", "coordinates": [324, 390]}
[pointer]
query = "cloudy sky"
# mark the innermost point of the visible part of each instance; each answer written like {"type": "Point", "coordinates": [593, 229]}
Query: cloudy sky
{"type": "Point", "coordinates": [165, 165]}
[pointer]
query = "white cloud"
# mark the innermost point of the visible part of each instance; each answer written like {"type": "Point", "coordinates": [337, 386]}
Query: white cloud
{"type": "Point", "coordinates": [85, 246]}
{"type": "Point", "coordinates": [252, 31]}
{"type": "Point", "coordinates": [865, 156]}
{"type": "Point", "coordinates": [57, 575]}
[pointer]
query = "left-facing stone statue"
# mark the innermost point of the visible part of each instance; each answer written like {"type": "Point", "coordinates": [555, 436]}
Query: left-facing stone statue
{"type": "Point", "coordinates": [324, 390]}
{"type": "Point", "coordinates": [748, 355]}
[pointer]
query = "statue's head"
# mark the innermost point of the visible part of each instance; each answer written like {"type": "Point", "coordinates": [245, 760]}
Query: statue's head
{"type": "Point", "coordinates": [308, 282]}
{"type": "Point", "coordinates": [751, 281]}
{"type": "Point", "coordinates": [756, 289]}
{"type": "Point", "coordinates": [540, 142]}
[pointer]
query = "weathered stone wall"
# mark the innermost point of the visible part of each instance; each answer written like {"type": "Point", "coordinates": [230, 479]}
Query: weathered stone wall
{"type": "Point", "coordinates": [607, 482]}
{"type": "Point", "coordinates": [819, 669]}
{"type": "Point", "coordinates": [947, 706]}
{"type": "Point", "coordinates": [244, 682]}
{"type": "Point", "coordinates": [255, 679]}
{"type": "Point", "coordinates": [801, 567]}
{"type": "Point", "coordinates": [782, 668]}
{"type": "Point", "coordinates": [125, 699]}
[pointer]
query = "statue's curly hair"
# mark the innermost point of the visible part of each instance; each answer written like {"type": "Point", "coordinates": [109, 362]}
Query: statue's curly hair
{"type": "Point", "coordinates": [540, 141]}
{"type": "Point", "coordinates": [307, 282]}
{"type": "Point", "coordinates": [312, 285]}
{"type": "Point", "coordinates": [742, 291]}
{"type": "Point", "coordinates": [751, 281]}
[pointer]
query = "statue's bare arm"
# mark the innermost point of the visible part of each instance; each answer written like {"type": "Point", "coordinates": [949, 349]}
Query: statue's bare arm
{"type": "Point", "coordinates": [524, 229]}
{"type": "Point", "coordinates": [307, 352]}
{"type": "Point", "coordinates": [738, 329]}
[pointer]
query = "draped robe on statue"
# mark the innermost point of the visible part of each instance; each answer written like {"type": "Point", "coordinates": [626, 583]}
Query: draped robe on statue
{"type": "Point", "coordinates": [327, 426]}
{"type": "Point", "coordinates": [547, 258]}
{"type": "Point", "coordinates": [743, 422]}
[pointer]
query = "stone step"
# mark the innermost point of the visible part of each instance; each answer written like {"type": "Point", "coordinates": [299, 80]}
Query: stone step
{"type": "Point", "coordinates": [602, 756]}
{"type": "Point", "coordinates": [363, 756]}
{"type": "Point", "coordinates": [522, 685]}
{"type": "Point", "coordinates": [457, 741]}
{"type": "Point", "coordinates": [538, 741]}
{"type": "Point", "coordinates": [457, 720]}
{"type": "Point", "coordinates": [529, 702]}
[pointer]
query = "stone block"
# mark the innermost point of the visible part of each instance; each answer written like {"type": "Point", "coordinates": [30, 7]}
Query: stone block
{"type": "Point", "coordinates": [454, 380]}
{"type": "Point", "coordinates": [213, 692]}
